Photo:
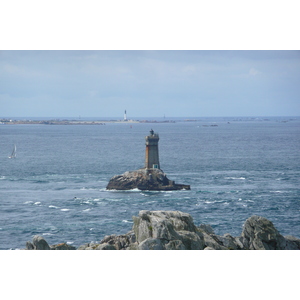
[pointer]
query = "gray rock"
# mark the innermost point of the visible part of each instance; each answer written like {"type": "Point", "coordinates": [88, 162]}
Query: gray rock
{"type": "Point", "coordinates": [83, 247]}
{"type": "Point", "coordinates": [212, 241]}
{"type": "Point", "coordinates": [175, 245]}
{"type": "Point", "coordinates": [229, 242]}
{"type": "Point", "coordinates": [161, 224]}
{"type": "Point", "coordinates": [151, 244]}
{"type": "Point", "coordinates": [144, 179]}
{"type": "Point", "coordinates": [120, 242]}
{"type": "Point", "coordinates": [105, 246]}
{"type": "Point", "coordinates": [168, 226]}
{"type": "Point", "coordinates": [175, 230]}
{"type": "Point", "coordinates": [191, 240]}
{"type": "Point", "coordinates": [39, 243]}
{"type": "Point", "coordinates": [261, 234]}
{"type": "Point", "coordinates": [29, 246]}
{"type": "Point", "coordinates": [242, 243]}
{"type": "Point", "coordinates": [292, 243]}
{"type": "Point", "coordinates": [62, 246]}
{"type": "Point", "coordinates": [206, 228]}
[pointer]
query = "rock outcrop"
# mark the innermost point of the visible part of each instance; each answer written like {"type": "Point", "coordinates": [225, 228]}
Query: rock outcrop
{"type": "Point", "coordinates": [39, 243]}
{"type": "Point", "coordinates": [175, 230]}
{"type": "Point", "coordinates": [144, 179]}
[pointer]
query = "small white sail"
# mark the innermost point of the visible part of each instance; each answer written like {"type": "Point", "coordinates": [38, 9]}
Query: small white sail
{"type": "Point", "coordinates": [13, 154]}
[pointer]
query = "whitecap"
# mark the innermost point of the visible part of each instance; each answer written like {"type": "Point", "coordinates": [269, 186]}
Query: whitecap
{"type": "Point", "coordinates": [126, 221]}
{"type": "Point", "coordinates": [47, 233]}
{"type": "Point", "coordinates": [235, 178]}
{"type": "Point", "coordinates": [124, 191]}
{"type": "Point", "coordinates": [37, 203]}
{"type": "Point", "coordinates": [53, 206]}
{"type": "Point", "coordinates": [146, 195]}
{"type": "Point", "coordinates": [88, 209]}
{"type": "Point", "coordinates": [65, 209]}
{"type": "Point", "coordinates": [70, 243]}
{"type": "Point", "coordinates": [28, 202]}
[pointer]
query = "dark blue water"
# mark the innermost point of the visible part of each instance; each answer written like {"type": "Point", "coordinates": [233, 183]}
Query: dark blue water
{"type": "Point", "coordinates": [235, 170]}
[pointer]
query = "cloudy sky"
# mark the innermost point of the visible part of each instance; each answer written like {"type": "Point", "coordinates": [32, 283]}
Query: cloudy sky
{"type": "Point", "coordinates": [149, 83]}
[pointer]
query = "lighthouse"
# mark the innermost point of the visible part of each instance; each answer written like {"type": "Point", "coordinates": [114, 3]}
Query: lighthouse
{"type": "Point", "coordinates": [125, 116]}
{"type": "Point", "coordinates": [151, 157]}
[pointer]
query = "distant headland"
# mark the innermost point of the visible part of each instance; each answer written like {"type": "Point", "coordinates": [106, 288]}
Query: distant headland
{"type": "Point", "coordinates": [75, 122]}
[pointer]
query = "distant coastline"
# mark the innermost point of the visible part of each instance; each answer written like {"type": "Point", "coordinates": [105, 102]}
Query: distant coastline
{"type": "Point", "coordinates": [211, 121]}
{"type": "Point", "coordinates": [76, 122]}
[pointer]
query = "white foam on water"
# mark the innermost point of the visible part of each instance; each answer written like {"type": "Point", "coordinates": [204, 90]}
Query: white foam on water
{"type": "Point", "coordinates": [37, 203]}
{"type": "Point", "coordinates": [88, 209]}
{"type": "Point", "coordinates": [70, 243]}
{"type": "Point", "coordinates": [53, 206]}
{"type": "Point", "coordinates": [28, 202]}
{"type": "Point", "coordinates": [235, 178]}
{"type": "Point", "coordinates": [126, 221]}
{"type": "Point", "coordinates": [47, 233]}
{"type": "Point", "coordinates": [65, 209]}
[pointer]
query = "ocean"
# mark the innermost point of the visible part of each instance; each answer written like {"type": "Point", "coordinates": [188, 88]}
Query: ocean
{"type": "Point", "coordinates": [236, 167]}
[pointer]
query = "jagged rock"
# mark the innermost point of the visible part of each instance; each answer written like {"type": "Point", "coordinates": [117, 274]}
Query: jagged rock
{"type": "Point", "coordinates": [260, 234]}
{"type": "Point", "coordinates": [206, 228]}
{"type": "Point", "coordinates": [144, 179]}
{"type": "Point", "coordinates": [105, 246]}
{"type": "Point", "coordinates": [39, 243]}
{"type": "Point", "coordinates": [120, 242]}
{"type": "Point", "coordinates": [175, 245]}
{"type": "Point", "coordinates": [83, 247]}
{"type": "Point", "coordinates": [168, 226]}
{"type": "Point", "coordinates": [175, 230]}
{"type": "Point", "coordinates": [212, 241]}
{"type": "Point", "coordinates": [229, 242]}
{"type": "Point", "coordinates": [292, 243]}
{"type": "Point", "coordinates": [29, 246]}
{"type": "Point", "coordinates": [151, 244]}
{"type": "Point", "coordinates": [191, 240]}
{"type": "Point", "coordinates": [62, 246]}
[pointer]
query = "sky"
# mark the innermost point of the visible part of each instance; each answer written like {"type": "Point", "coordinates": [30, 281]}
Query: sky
{"type": "Point", "coordinates": [196, 83]}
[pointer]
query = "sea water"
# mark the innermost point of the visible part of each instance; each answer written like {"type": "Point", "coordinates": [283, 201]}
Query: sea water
{"type": "Point", "coordinates": [236, 168]}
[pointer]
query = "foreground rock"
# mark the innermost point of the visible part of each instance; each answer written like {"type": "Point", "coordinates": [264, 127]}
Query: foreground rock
{"type": "Point", "coordinates": [39, 243]}
{"type": "Point", "coordinates": [144, 179]}
{"type": "Point", "coordinates": [175, 230]}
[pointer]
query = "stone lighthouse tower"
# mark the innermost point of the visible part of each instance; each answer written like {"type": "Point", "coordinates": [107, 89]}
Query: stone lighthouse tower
{"type": "Point", "coordinates": [151, 158]}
